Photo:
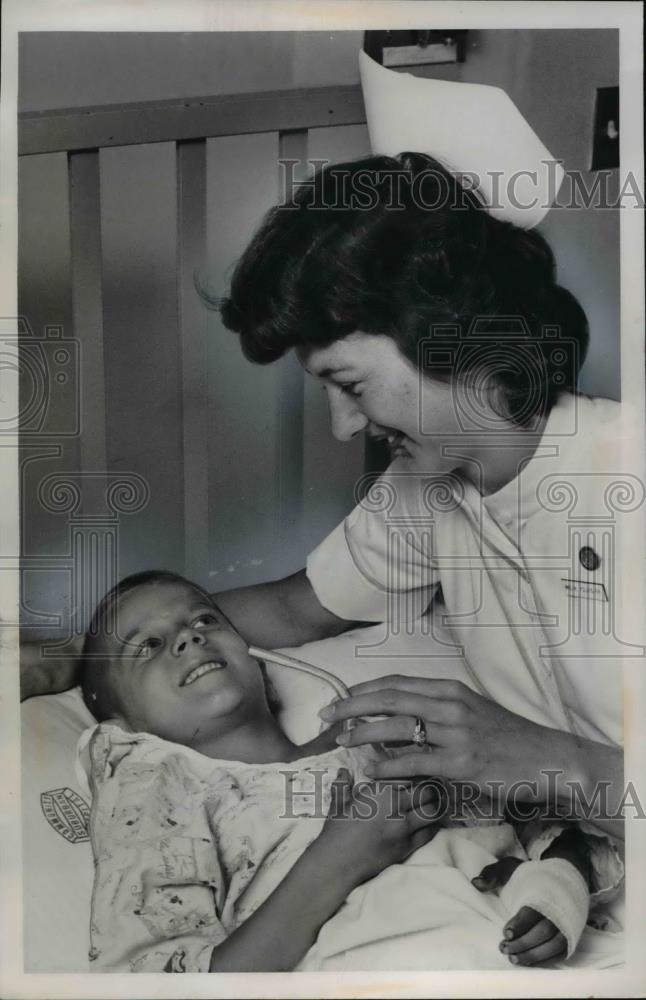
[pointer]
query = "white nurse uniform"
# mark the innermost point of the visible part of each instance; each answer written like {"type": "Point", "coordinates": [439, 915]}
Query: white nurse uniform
{"type": "Point", "coordinates": [531, 575]}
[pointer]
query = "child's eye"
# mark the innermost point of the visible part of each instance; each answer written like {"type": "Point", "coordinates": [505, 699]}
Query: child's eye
{"type": "Point", "coordinates": [147, 646]}
{"type": "Point", "coordinates": [205, 619]}
{"type": "Point", "coordinates": [351, 388]}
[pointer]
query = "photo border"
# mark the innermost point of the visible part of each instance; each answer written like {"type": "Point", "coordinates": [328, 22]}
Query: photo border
{"type": "Point", "coordinates": [274, 15]}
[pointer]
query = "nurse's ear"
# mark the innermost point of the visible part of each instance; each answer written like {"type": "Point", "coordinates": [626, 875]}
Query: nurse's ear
{"type": "Point", "coordinates": [478, 397]}
{"type": "Point", "coordinates": [482, 398]}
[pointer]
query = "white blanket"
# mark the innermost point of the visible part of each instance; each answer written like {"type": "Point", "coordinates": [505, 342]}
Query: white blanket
{"type": "Point", "coordinates": [442, 921]}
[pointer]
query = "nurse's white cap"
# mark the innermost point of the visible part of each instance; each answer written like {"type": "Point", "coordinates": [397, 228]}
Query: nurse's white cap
{"type": "Point", "coordinates": [471, 129]}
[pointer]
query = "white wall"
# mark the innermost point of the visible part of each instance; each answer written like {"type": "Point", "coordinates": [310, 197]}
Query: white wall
{"type": "Point", "coordinates": [75, 68]}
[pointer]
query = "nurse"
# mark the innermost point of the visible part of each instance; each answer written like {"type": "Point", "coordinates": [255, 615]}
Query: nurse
{"type": "Point", "coordinates": [431, 315]}
{"type": "Point", "coordinates": [420, 295]}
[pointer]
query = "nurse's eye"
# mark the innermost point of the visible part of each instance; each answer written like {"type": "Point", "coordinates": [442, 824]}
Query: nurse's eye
{"type": "Point", "coordinates": [205, 620]}
{"type": "Point", "coordinates": [147, 646]}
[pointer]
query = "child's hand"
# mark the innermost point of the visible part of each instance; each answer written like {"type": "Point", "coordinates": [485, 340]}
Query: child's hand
{"type": "Point", "coordinates": [532, 939]}
{"type": "Point", "coordinates": [373, 825]}
{"type": "Point", "coordinates": [529, 937]}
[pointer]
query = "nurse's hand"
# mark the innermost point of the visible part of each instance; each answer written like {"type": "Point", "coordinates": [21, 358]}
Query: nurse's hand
{"type": "Point", "coordinates": [469, 737]}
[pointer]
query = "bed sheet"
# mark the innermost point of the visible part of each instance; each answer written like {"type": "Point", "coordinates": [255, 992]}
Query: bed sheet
{"type": "Point", "coordinates": [441, 921]}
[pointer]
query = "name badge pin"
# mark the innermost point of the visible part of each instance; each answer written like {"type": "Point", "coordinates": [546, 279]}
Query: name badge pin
{"type": "Point", "coordinates": [589, 558]}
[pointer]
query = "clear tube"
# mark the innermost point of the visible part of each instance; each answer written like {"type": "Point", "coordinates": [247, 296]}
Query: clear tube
{"type": "Point", "coordinates": [283, 660]}
{"type": "Point", "coordinates": [339, 688]}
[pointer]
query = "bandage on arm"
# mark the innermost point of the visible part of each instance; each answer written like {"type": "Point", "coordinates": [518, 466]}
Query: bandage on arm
{"type": "Point", "coordinates": [557, 890]}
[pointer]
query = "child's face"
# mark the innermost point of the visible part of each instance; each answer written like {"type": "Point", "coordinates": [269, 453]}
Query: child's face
{"type": "Point", "coordinates": [178, 666]}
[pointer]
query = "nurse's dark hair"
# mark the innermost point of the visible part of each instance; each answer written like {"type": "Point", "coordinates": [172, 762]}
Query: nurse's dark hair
{"type": "Point", "coordinates": [398, 246]}
{"type": "Point", "coordinates": [96, 677]}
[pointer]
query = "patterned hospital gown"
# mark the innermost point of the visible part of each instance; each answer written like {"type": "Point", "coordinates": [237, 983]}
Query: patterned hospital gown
{"type": "Point", "coordinates": [187, 847]}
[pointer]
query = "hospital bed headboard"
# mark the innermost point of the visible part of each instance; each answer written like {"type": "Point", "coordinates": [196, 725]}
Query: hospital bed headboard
{"type": "Point", "coordinates": [137, 404]}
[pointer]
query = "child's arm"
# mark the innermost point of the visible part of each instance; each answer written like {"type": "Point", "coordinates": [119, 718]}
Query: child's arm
{"type": "Point", "coordinates": [161, 907]}
{"type": "Point", "coordinates": [285, 926]}
{"type": "Point", "coordinates": [530, 938]}
{"type": "Point", "coordinates": [349, 850]}
{"type": "Point", "coordinates": [572, 846]}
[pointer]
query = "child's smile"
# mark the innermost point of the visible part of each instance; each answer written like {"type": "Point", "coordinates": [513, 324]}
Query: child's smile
{"type": "Point", "coordinates": [178, 666]}
{"type": "Point", "coordinates": [201, 670]}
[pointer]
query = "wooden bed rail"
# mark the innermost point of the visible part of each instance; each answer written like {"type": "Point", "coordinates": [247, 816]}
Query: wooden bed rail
{"type": "Point", "coordinates": [72, 129]}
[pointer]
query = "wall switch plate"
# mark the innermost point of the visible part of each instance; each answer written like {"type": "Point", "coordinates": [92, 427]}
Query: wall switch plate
{"type": "Point", "coordinates": [605, 142]}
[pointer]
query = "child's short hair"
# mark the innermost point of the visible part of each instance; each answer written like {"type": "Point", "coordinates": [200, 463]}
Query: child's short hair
{"type": "Point", "coordinates": [96, 687]}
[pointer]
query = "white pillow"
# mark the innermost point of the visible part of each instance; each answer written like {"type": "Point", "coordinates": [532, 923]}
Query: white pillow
{"type": "Point", "coordinates": [57, 857]}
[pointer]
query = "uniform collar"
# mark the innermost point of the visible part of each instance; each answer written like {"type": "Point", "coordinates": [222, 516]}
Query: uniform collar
{"type": "Point", "coordinates": [518, 499]}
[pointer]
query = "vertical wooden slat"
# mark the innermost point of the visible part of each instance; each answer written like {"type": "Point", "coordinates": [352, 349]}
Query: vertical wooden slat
{"type": "Point", "coordinates": [142, 350]}
{"type": "Point", "coordinates": [191, 250]}
{"type": "Point", "coordinates": [45, 303]}
{"type": "Point", "coordinates": [87, 303]}
{"type": "Point", "coordinates": [244, 399]}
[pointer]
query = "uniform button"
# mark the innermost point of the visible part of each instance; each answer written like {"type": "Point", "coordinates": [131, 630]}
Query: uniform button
{"type": "Point", "coordinates": [589, 558]}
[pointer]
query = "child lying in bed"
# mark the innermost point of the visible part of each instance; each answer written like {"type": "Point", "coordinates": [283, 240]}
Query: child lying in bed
{"type": "Point", "coordinates": [219, 845]}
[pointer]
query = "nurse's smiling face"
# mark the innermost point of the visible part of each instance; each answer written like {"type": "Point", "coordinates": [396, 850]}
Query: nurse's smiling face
{"type": "Point", "coordinates": [372, 387]}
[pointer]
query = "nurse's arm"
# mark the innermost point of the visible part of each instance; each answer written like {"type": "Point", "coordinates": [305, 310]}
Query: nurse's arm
{"type": "Point", "coordinates": [596, 790]}
{"type": "Point", "coordinates": [280, 613]}
{"type": "Point", "coordinates": [471, 738]}
{"type": "Point", "coordinates": [41, 674]}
